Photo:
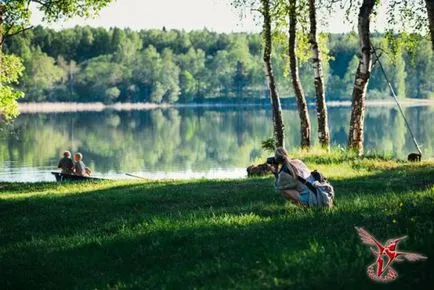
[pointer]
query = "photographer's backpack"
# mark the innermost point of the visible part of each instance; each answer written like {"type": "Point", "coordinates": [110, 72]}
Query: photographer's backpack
{"type": "Point", "coordinates": [323, 190]}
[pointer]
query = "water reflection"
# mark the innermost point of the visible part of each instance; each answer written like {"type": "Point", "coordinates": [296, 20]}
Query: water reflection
{"type": "Point", "coordinates": [185, 142]}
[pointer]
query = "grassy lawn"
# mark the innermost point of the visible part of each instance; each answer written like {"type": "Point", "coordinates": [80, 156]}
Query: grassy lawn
{"type": "Point", "coordinates": [221, 234]}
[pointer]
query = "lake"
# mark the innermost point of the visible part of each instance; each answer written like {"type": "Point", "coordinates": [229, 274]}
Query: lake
{"type": "Point", "coordinates": [218, 142]}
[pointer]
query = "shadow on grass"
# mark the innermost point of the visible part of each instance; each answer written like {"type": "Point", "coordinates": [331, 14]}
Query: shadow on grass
{"type": "Point", "coordinates": [315, 252]}
{"type": "Point", "coordinates": [278, 247]}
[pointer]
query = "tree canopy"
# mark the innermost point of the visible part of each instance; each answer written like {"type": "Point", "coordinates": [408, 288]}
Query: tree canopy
{"type": "Point", "coordinates": [88, 64]}
{"type": "Point", "coordinates": [14, 19]}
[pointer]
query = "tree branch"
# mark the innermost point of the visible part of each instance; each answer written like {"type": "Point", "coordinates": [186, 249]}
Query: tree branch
{"type": "Point", "coordinates": [7, 34]}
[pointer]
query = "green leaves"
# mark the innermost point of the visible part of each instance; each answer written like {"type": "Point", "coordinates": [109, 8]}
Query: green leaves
{"type": "Point", "coordinates": [8, 103]}
{"type": "Point", "coordinates": [15, 17]}
{"type": "Point", "coordinates": [55, 10]}
{"type": "Point", "coordinates": [11, 69]}
{"type": "Point", "coordinates": [40, 76]}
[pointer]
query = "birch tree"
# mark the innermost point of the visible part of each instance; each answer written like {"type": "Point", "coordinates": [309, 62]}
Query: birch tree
{"type": "Point", "coordinates": [430, 12]}
{"type": "Point", "coordinates": [321, 106]}
{"type": "Point", "coordinates": [305, 128]}
{"type": "Point", "coordinates": [265, 11]}
{"type": "Point", "coordinates": [402, 16]}
{"type": "Point", "coordinates": [279, 129]}
{"type": "Point", "coordinates": [358, 103]}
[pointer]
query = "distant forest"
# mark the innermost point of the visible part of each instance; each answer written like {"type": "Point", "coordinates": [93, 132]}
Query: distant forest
{"type": "Point", "coordinates": [86, 64]}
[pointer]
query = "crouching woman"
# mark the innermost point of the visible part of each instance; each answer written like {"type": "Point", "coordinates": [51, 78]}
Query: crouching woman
{"type": "Point", "coordinates": [287, 172]}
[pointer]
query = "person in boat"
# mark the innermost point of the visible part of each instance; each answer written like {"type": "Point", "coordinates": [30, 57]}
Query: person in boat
{"type": "Point", "coordinates": [79, 167]}
{"type": "Point", "coordinates": [287, 181]}
{"type": "Point", "coordinates": [65, 164]}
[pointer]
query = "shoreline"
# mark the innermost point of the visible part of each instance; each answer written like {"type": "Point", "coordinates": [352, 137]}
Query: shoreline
{"type": "Point", "coordinates": [99, 107]}
{"type": "Point", "coordinates": [62, 107]}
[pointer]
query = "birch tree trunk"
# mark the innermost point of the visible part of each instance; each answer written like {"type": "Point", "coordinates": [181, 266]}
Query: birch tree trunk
{"type": "Point", "coordinates": [321, 106]}
{"type": "Point", "coordinates": [355, 136]}
{"type": "Point", "coordinates": [430, 10]}
{"type": "Point", "coordinates": [293, 67]}
{"type": "Point", "coordinates": [2, 12]}
{"type": "Point", "coordinates": [274, 96]}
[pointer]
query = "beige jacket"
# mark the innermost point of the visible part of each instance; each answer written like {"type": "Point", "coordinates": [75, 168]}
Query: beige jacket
{"type": "Point", "coordinates": [287, 181]}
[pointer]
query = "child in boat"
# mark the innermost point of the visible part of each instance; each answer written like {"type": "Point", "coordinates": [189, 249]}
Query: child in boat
{"type": "Point", "coordinates": [79, 167]}
{"type": "Point", "coordinates": [66, 164]}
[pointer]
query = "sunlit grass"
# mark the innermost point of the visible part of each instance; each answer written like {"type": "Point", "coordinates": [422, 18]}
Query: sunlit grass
{"type": "Point", "coordinates": [218, 234]}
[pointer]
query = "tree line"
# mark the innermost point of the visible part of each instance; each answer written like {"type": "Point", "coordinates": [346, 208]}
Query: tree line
{"type": "Point", "coordinates": [85, 64]}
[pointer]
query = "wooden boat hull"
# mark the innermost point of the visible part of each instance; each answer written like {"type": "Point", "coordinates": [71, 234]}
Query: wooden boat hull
{"type": "Point", "coordinates": [67, 177]}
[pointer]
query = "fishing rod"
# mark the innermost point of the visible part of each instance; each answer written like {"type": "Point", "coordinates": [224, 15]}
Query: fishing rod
{"type": "Point", "coordinates": [136, 176]}
{"type": "Point", "coordinates": [397, 102]}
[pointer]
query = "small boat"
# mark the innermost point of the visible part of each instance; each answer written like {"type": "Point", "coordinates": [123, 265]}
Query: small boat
{"type": "Point", "coordinates": [68, 177]}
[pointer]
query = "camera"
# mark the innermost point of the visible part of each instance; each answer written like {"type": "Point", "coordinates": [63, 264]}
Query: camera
{"type": "Point", "coordinates": [272, 161]}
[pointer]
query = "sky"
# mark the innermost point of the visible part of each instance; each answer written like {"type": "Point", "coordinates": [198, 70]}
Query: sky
{"type": "Point", "coordinates": [216, 15]}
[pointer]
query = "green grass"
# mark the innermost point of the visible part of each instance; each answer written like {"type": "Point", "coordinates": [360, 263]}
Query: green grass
{"type": "Point", "coordinates": [227, 234]}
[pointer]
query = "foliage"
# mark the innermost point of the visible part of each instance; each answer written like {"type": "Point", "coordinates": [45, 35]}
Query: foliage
{"type": "Point", "coordinates": [17, 13]}
{"type": "Point", "coordinates": [214, 234]}
{"type": "Point", "coordinates": [407, 16]}
{"type": "Point", "coordinates": [15, 19]}
{"type": "Point", "coordinates": [177, 66]}
{"type": "Point", "coordinates": [100, 78]}
{"type": "Point", "coordinates": [269, 145]}
{"type": "Point", "coordinates": [11, 69]}
{"type": "Point", "coordinates": [41, 74]}
{"type": "Point", "coordinates": [406, 20]}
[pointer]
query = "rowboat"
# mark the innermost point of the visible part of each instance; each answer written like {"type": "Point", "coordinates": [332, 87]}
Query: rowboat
{"type": "Point", "coordinates": [68, 177]}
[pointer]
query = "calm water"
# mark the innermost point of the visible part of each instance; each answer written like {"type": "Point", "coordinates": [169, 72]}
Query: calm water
{"type": "Point", "coordinates": [183, 143]}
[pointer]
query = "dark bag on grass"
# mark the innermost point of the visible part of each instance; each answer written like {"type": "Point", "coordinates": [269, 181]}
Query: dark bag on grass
{"type": "Point", "coordinates": [318, 176]}
{"type": "Point", "coordinates": [323, 191]}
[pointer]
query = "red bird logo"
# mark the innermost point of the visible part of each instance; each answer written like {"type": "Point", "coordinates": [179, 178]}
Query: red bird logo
{"type": "Point", "coordinates": [381, 269]}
